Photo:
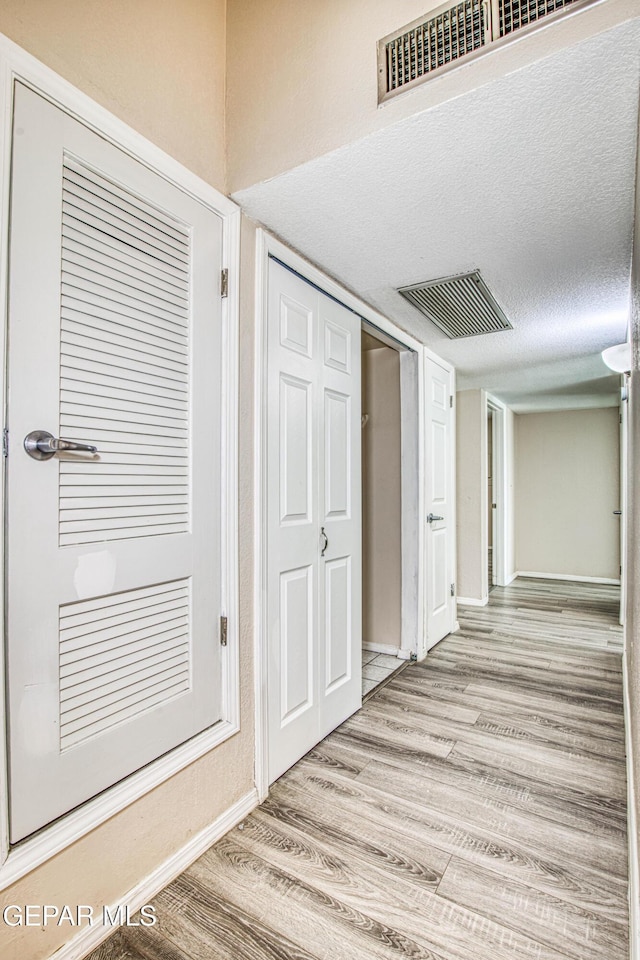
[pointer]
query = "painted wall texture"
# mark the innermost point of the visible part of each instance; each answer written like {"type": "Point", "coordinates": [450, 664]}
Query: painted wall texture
{"type": "Point", "coordinates": [381, 500]}
{"type": "Point", "coordinates": [471, 497]}
{"type": "Point", "coordinates": [567, 487]}
{"type": "Point", "coordinates": [159, 65]}
{"type": "Point", "coordinates": [632, 624]}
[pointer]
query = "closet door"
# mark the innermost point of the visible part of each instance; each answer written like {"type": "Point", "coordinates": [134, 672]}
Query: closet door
{"type": "Point", "coordinates": [113, 555]}
{"type": "Point", "coordinates": [314, 524]}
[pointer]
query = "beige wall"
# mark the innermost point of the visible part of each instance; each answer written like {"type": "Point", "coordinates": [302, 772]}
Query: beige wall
{"type": "Point", "coordinates": [471, 493]}
{"type": "Point", "coordinates": [632, 625]}
{"type": "Point", "coordinates": [567, 487]}
{"type": "Point", "coordinates": [302, 76]}
{"type": "Point", "coordinates": [381, 498]}
{"type": "Point", "coordinates": [159, 65]}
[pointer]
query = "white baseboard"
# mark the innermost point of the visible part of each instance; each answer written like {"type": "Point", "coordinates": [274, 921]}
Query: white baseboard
{"type": "Point", "coordinates": [632, 829]}
{"type": "Point", "coordinates": [566, 576]}
{"type": "Point", "coordinates": [509, 579]}
{"type": "Point", "coordinates": [472, 602]}
{"type": "Point", "coordinates": [387, 648]}
{"type": "Point", "coordinates": [91, 937]}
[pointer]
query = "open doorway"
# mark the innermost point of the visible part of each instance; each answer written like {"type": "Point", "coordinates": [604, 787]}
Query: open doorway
{"type": "Point", "coordinates": [381, 513]}
{"type": "Point", "coordinates": [391, 615]}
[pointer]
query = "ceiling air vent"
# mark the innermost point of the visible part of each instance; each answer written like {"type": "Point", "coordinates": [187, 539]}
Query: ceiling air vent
{"type": "Point", "coordinates": [428, 44]}
{"type": "Point", "coordinates": [515, 14]}
{"type": "Point", "coordinates": [460, 306]}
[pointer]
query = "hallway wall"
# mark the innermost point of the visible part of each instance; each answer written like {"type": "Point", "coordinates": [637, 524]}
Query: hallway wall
{"type": "Point", "coordinates": [566, 488]}
{"type": "Point", "coordinates": [142, 60]}
{"type": "Point", "coordinates": [632, 624]}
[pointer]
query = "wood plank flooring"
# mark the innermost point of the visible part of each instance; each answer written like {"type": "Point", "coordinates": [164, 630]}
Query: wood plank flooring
{"type": "Point", "coordinates": [474, 809]}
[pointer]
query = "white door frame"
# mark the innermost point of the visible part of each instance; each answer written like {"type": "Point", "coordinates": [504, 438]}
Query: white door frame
{"type": "Point", "coordinates": [501, 489]}
{"type": "Point", "coordinates": [16, 64]}
{"type": "Point", "coordinates": [268, 246]}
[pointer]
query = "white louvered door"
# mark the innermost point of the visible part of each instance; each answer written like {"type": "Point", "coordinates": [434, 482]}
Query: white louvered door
{"type": "Point", "coordinates": [114, 559]}
{"type": "Point", "coordinates": [314, 591]}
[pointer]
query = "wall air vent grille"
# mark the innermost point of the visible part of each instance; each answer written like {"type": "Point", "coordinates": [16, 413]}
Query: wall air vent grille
{"type": "Point", "coordinates": [515, 14]}
{"type": "Point", "coordinates": [460, 306]}
{"type": "Point", "coordinates": [427, 45]}
{"type": "Point", "coordinates": [456, 33]}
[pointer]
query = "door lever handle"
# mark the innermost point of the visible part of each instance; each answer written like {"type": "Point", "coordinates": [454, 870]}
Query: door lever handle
{"type": "Point", "coordinates": [617, 513]}
{"type": "Point", "coordinates": [432, 517]}
{"type": "Point", "coordinates": [42, 445]}
{"type": "Point", "coordinates": [326, 541]}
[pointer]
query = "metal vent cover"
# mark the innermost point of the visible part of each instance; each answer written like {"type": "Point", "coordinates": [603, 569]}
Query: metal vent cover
{"type": "Point", "coordinates": [515, 14]}
{"type": "Point", "coordinates": [430, 43]}
{"type": "Point", "coordinates": [460, 306]}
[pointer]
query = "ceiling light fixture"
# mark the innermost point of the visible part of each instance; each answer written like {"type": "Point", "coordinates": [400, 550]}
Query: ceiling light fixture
{"type": "Point", "coordinates": [618, 357]}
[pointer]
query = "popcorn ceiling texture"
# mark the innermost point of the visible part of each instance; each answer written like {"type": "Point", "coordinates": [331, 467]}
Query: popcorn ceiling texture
{"type": "Point", "coordinates": [529, 178]}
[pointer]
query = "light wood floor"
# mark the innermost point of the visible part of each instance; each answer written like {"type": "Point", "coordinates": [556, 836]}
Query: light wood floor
{"type": "Point", "coordinates": [474, 809]}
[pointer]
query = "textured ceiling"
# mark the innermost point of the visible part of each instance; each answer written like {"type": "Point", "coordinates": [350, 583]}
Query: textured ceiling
{"type": "Point", "coordinates": [530, 179]}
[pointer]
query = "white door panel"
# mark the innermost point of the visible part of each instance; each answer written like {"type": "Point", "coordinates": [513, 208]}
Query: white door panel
{"type": "Point", "coordinates": [438, 497]}
{"type": "Point", "coordinates": [314, 597]}
{"type": "Point", "coordinates": [113, 559]}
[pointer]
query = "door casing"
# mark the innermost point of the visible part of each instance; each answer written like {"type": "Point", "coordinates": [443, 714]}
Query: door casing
{"type": "Point", "coordinates": [17, 65]}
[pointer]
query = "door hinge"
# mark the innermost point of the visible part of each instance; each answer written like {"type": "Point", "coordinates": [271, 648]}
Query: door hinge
{"type": "Point", "coordinates": [453, 589]}
{"type": "Point", "coordinates": [224, 283]}
{"type": "Point", "coordinates": [451, 400]}
{"type": "Point", "coordinates": [5, 442]}
{"type": "Point", "coordinates": [223, 631]}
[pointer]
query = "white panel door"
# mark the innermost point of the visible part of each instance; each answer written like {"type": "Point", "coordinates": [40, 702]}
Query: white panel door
{"type": "Point", "coordinates": [113, 557]}
{"type": "Point", "coordinates": [438, 500]}
{"type": "Point", "coordinates": [314, 524]}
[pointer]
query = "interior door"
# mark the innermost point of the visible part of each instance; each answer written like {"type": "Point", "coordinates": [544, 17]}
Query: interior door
{"type": "Point", "coordinates": [438, 500]}
{"type": "Point", "coordinates": [314, 517]}
{"type": "Point", "coordinates": [113, 556]}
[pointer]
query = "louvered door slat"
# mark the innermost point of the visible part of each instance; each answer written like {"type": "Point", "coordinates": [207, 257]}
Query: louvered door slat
{"type": "Point", "coordinates": [75, 169]}
{"type": "Point", "coordinates": [79, 264]}
{"type": "Point", "coordinates": [124, 675]}
{"type": "Point", "coordinates": [96, 395]}
{"type": "Point", "coordinates": [146, 388]}
{"type": "Point", "coordinates": [120, 354]}
{"type": "Point", "coordinates": [97, 360]}
{"type": "Point", "coordinates": [97, 287]}
{"type": "Point", "coordinates": [124, 612]}
{"type": "Point", "coordinates": [127, 628]}
{"type": "Point", "coordinates": [80, 306]}
{"type": "Point", "coordinates": [125, 216]}
{"type": "Point", "coordinates": [165, 362]}
{"type": "Point", "coordinates": [83, 672]}
{"type": "Point", "coordinates": [100, 245]}
{"type": "Point", "coordinates": [76, 733]}
{"type": "Point", "coordinates": [147, 672]}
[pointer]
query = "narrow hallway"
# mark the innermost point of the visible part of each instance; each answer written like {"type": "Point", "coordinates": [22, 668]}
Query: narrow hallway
{"type": "Point", "coordinates": [474, 808]}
